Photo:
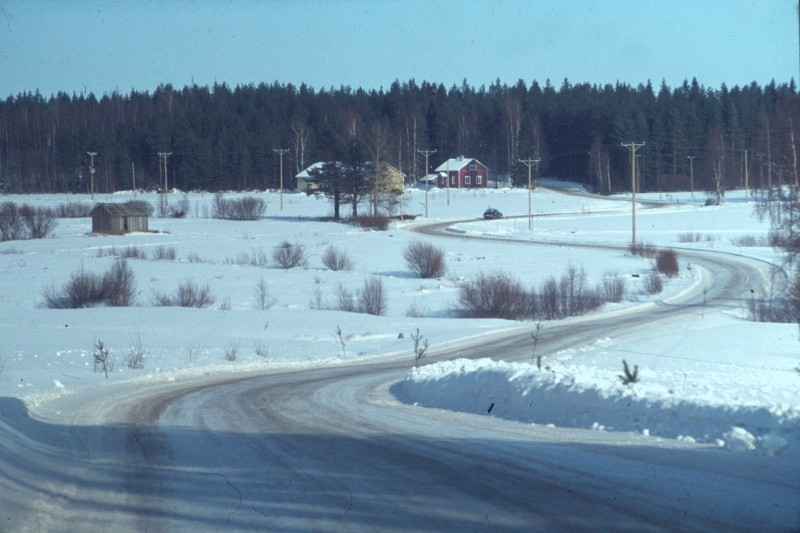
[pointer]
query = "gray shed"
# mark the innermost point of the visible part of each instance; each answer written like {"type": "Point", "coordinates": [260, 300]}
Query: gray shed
{"type": "Point", "coordinates": [117, 219]}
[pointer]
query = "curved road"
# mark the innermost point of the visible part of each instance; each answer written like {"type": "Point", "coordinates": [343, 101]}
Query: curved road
{"type": "Point", "coordinates": [331, 449]}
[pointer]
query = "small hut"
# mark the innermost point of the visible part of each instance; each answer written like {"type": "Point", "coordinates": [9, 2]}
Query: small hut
{"type": "Point", "coordinates": [117, 219]}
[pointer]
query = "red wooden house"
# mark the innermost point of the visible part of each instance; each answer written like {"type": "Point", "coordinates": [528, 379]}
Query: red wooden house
{"type": "Point", "coordinates": [464, 172]}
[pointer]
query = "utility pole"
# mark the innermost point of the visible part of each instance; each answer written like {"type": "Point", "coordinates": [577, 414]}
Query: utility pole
{"type": "Point", "coordinates": [691, 172]}
{"type": "Point", "coordinates": [133, 173]}
{"type": "Point", "coordinates": [746, 176]}
{"type": "Point", "coordinates": [280, 152]}
{"type": "Point", "coordinates": [165, 155]}
{"type": "Point", "coordinates": [91, 170]}
{"type": "Point", "coordinates": [633, 147]}
{"type": "Point", "coordinates": [448, 181]}
{"type": "Point", "coordinates": [529, 163]}
{"type": "Point", "coordinates": [427, 153]}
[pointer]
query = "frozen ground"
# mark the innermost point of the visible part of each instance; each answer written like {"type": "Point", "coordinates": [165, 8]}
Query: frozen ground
{"type": "Point", "coordinates": [697, 381]}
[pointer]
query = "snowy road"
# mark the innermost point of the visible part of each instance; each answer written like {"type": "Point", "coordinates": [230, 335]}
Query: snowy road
{"type": "Point", "coordinates": [330, 449]}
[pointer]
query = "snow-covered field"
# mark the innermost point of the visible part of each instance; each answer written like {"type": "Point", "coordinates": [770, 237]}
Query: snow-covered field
{"type": "Point", "coordinates": [719, 379]}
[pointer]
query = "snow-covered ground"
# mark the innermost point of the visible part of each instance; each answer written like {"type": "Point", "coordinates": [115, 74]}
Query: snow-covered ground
{"type": "Point", "coordinates": [698, 380]}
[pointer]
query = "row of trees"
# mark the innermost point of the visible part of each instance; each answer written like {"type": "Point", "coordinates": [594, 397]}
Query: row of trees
{"type": "Point", "coordinates": [223, 139]}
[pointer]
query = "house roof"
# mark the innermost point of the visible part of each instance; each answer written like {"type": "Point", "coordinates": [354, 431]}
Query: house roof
{"type": "Point", "coordinates": [457, 163]}
{"type": "Point", "coordinates": [318, 165]}
{"type": "Point", "coordinates": [305, 175]}
{"type": "Point", "coordinates": [122, 210]}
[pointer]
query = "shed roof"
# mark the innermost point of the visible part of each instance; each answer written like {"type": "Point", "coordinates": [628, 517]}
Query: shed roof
{"type": "Point", "coordinates": [122, 210]}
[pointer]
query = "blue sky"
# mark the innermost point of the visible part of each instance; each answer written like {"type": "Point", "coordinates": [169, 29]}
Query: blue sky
{"type": "Point", "coordinates": [100, 46]}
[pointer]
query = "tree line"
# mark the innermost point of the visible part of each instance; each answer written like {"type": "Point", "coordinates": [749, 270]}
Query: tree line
{"type": "Point", "coordinates": [222, 138]}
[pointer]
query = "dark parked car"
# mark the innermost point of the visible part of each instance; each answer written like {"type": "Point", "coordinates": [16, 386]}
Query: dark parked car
{"type": "Point", "coordinates": [490, 214]}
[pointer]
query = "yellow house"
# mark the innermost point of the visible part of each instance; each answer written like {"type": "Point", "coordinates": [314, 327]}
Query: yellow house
{"type": "Point", "coordinates": [390, 180]}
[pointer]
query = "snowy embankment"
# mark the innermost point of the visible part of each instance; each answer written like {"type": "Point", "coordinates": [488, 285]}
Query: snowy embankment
{"type": "Point", "coordinates": [715, 378]}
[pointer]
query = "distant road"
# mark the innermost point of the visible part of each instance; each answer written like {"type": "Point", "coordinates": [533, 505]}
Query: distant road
{"type": "Point", "coordinates": [330, 449]}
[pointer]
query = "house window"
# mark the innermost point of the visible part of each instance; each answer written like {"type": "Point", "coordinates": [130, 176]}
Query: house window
{"type": "Point", "coordinates": [467, 180]}
{"type": "Point", "coordinates": [473, 167]}
{"type": "Point", "coordinates": [452, 180]}
{"type": "Point", "coordinates": [478, 179]}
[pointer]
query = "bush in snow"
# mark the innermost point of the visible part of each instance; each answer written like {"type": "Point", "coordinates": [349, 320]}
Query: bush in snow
{"type": "Point", "coordinates": [39, 222]}
{"type": "Point", "coordinates": [164, 253]}
{"type": "Point", "coordinates": [73, 210]}
{"type": "Point", "coordinates": [119, 285]}
{"type": "Point", "coordinates": [667, 262]}
{"type": "Point", "coordinates": [498, 295]}
{"type": "Point", "coordinates": [86, 289]}
{"type": "Point", "coordinates": [136, 354]}
{"type": "Point", "coordinates": [774, 302]}
{"type": "Point", "coordinates": [289, 255]}
{"type": "Point", "coordinates": [646, 250]}
{"type": "Point", "coordinates": [612, 287]}
{"type": "Point", "coordinates": [425, 259]}
{"type": "Point", "coordinates": [263, 298]}
{"type": "Point", "coordinates": [25, 222]}
{"type": "Point", "coordinates": [335, 259]}
{"type": "Point", "coordinates": [653, 284]}
{"type": "Point", "coordinates": [345, 299]}
{"type": "Point", "coordinates": [247, 208]}
{"type": "Point", "coordinates": [189, 294]}
{"type": "Point", "coordinates": [379, 222]}
{"type": "Point", "coordinates": [373, 297]}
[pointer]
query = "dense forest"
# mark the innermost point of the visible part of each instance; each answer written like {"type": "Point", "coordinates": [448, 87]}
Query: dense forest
{"type": "Point", "coordinates": [224, 139]}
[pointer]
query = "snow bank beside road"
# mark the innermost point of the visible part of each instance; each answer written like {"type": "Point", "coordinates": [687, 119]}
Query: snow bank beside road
{"type": "Point", "coordinates": [726, 396]}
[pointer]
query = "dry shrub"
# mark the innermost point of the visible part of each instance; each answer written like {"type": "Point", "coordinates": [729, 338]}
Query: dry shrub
{"type": "Point", "coordinates": [247, 208]}
{"type": "Point", "coordinates": [189, 294]}
{"type": "Point", "coordinates": [132, 252]}
{"type": "Point", "coordinates": [73, 210]}
{"type": "Point", "coordinates": [136, 354]}
{"type": "Point", "coordinates": [86, 289]}
{"type": "Point", "coordinates": [25, 222]}
{"type": "Point", "coordinates": [373, 297]}
{"type": "Point", "coordinates": [11, 228]}
{"type": "Point", "coordinates": [667, 262]}
{"type": "Point", "coordinates": [653, 284]}
{"type": "Point", "coordinates": [748, 241]}
{"type": "Point", "coordinates": [181, 209]}
{"type": "Point", "coordinates": [164, 253]}
{"type": "Point", "coordinates": [119, 285]}
{"type": "Point", "coordinates": [425, 259]}
{"type": "Point", "coordinates": [289, 255]}
{"type": "Point", "coordinates": [263, 298]}
{"type": "Point", "coordinates": [379, 222]}
{"type": "Point", "coordinates": [496, 295]}
{"type": "Point", "coordinates": [773, 301]}
{"type": "Point", "coordinates": [39, 221]}
{"type": "Point", "coordinates": [345, 299]}
{"type": "Point", "coordinates": [646, 250]}
{"type": "Point", "coordinates": [231, 351]}
{"type": "Point", "coordinates": [335, 259]}
{"type": "Point", "coordinates": [689, 237]}
{"type": "Point", "coordinates": [415, 310]}
{"type": "Point", "coordinates": [612, 287]}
